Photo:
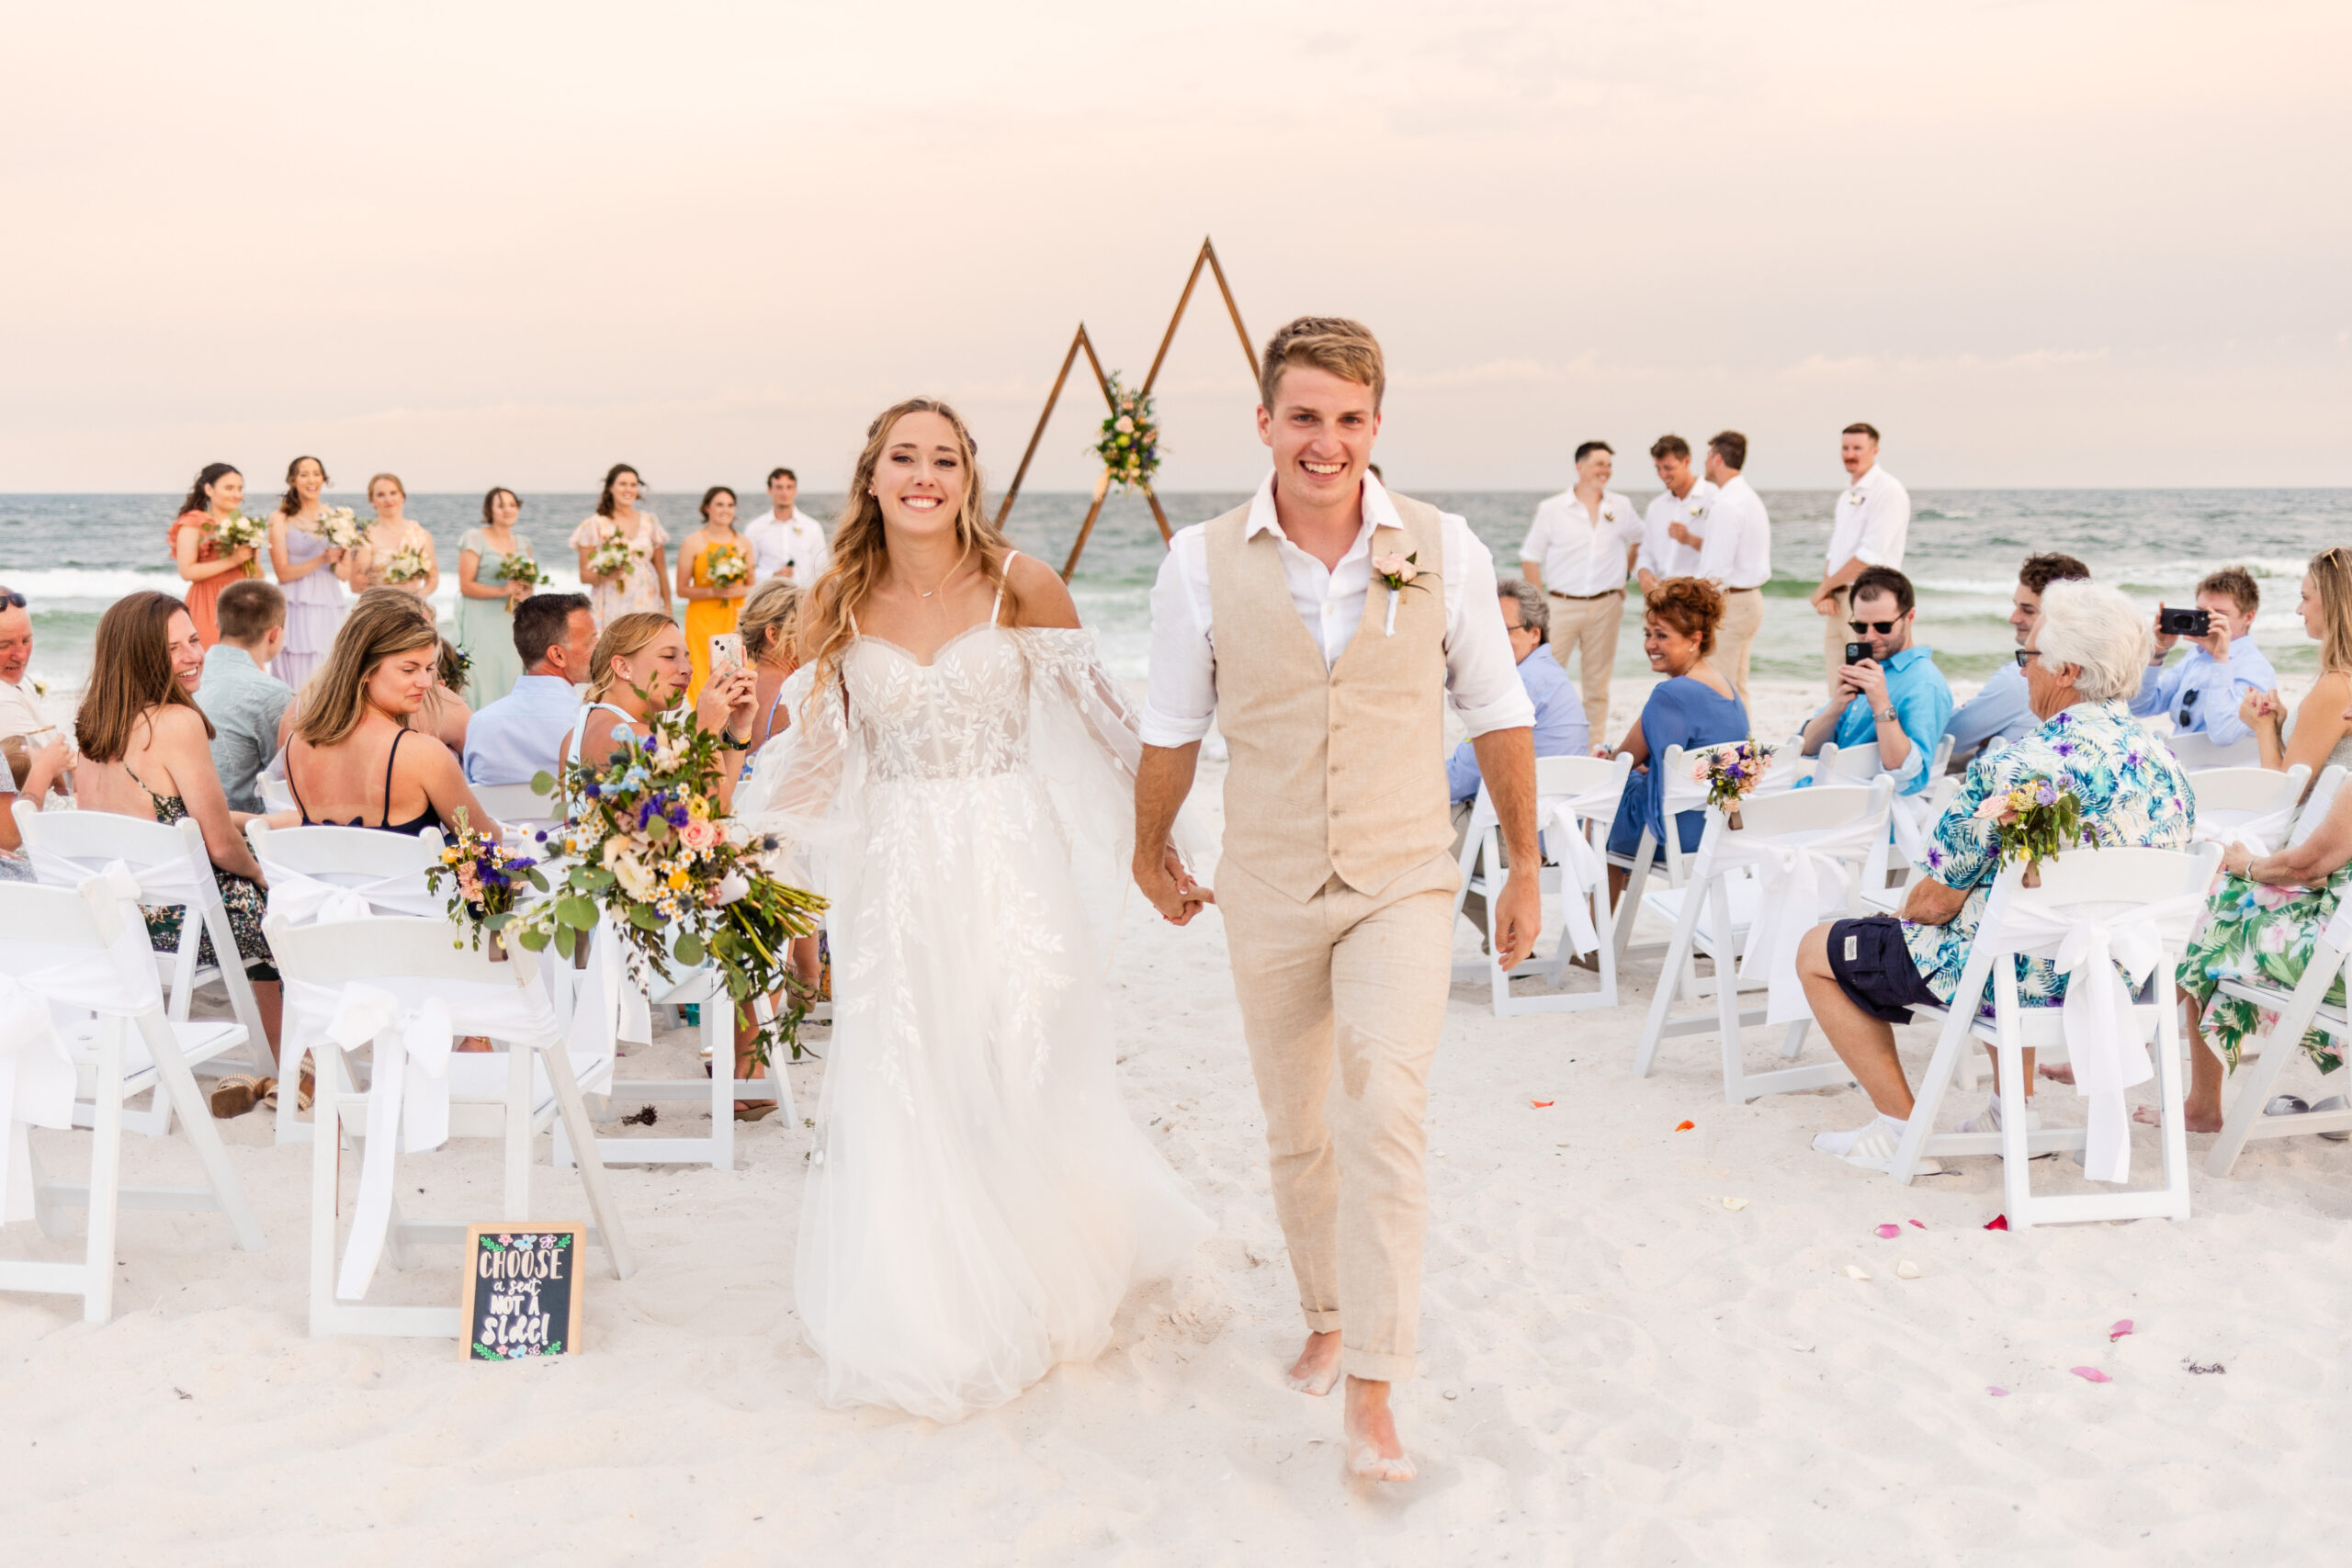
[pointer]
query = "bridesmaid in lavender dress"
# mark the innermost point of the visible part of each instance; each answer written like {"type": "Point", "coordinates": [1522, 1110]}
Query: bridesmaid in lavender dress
{"type": "Point", "coordinates": [308, 569]}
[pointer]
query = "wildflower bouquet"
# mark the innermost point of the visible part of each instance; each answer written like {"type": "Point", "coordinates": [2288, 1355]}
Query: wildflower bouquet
{"type": "Point", "coordinates": [487, 880]}
{"type": "Point", "coordinates": [1731, 774]}
{"type": "Point", "coordinates": [339, 527]}
{"type": "Point", "coordinates": [2034, 821]}
{"type": "Point", "coordinates": [524, 569]}
{"type": "Point", "coordinates": [407, 564]}
{"type": "Point", "coordinates": [615, 557]}
{"type": "Point", "coordinates": [727, 566]}
{"type": "Point", "coordinates": [238, 532]}
{"type": "Point", "coordinates": [1129, 441]}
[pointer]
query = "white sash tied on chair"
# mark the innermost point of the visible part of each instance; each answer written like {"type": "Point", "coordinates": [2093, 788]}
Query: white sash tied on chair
{"type": "Point", "coordinates": [304, 899]}
{"type": "Point", "coordinates": [164, 882]}
{"type": "Point", "coordinates": [1803, 880]}
{"type": "Point", "coordinates": [1581, 866]}
{"type": "Point", "coordinates": [1910, 816]}
{"type": "Point", "coordinates": [2260, 833]}
{"type": "Point", "coordinates": [2096, 946]}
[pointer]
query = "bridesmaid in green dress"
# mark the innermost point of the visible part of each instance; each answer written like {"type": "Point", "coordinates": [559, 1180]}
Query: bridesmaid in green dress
{"type": "Point", "coordinates": [486, 601]}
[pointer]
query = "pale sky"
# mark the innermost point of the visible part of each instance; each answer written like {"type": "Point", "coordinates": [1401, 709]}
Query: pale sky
{"type": "Point", "coordinates": [2067, 243]}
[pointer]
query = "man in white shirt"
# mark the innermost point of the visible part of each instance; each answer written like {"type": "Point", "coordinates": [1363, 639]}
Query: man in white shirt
{"type": "Point", "coordinates": [1867, 529]}
{"type": "Point", "coordinates": [1735, 554]}
{"type": "Point", "coordinates": [1685, 500]}
{"type": "Point", "coordinates": [786, 543]}
{"type": "Point", "coordinates": [520, 736]}
{"type": "Point", "coordinates": [1578, 550]}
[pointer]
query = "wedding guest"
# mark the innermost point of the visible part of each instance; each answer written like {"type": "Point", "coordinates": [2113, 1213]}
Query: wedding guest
{"type": "Point", "coordinates": [42, 771]}
{"type": "Point", "coordinates": [644, 584]}
{"type": "Point", "coordinates": [1999, 706]}
{"type": "Point", "coordinates": [486, 600]}
{"type": "Point", "coordinates": [2203, 693]}
{"type": "Point", "coordinates": [789, 543]}
{"type": "Point", "coordinates": [308, 569]}
{"type": "Point", "coordinates": [1560, 727]}
{"type": "Point", "coordinates": [2083, 663]}
{"type": "Point", "coordinates": [244, 701]}
{"type": "Point", "coordinates": [391, 533]}
{"type": "Point", "coordinates": [1895, 697]}
{"type": "Point", "coordinates": [2318, 732]}
{"type": "Point", "coordinates": [1735, 553]}
{"type": "Point", "coordinates": [146, 752]}
{"type": "Point", "coordinates": [26, 727]}
{"type": "Point", "coordinates": [218, 495]}
{"type": "Point", "coordinates": [1695, 706]}
{"type": "Point", "coordinates": [1577, 552]}
{"type": "Point", "coordinates": [355, 760]}
{"type": "Point", "coordinates": [521, 734]}
{"type": "Point", "coordinates": [639, 668]}
{"type": "Point", "coordinates": [1684, 501]}
{"type": "Point", "coordinates": [1868, 528]}
{"type": "Point", "coordinates": [710, 607]}
{"type": "Point", "coordinates": [444, 714]}
{"type": "Point", "coordinates": [770, 627]}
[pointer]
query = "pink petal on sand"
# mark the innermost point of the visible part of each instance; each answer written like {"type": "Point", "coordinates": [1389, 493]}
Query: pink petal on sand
{"type": "Point", "coordinates": [1914, 1222]}
{"type": "Point", "coordinates": [2123, 1326]}
{"type": "Point", "coordinates": [1998, 1393]}
{"type": "Point", "coordinates": [1997, 1223]}
{"type": "Point", "coordinates": [1888, 1232]}
{"type": "Point", "coordinates": [2090, 1374]}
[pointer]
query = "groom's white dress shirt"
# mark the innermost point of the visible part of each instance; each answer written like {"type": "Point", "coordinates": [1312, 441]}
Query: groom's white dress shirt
{"type": "Point", "coordinates": [1481, 676]}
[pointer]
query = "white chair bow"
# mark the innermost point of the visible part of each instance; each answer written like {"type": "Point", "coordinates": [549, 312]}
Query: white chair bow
{"type": "Point", "coordinates": [158, 881]}
{"type": "Point", "coordinates": [306, 900]}
{"type": "Point", "coordinates": [2259, 833]}
{"type": "Point", "coordinates": [2096, 946]}
{"type": "Point", "coordinates": [1802, 882]}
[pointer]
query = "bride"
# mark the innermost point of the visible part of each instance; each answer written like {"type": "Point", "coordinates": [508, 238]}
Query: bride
{"type": "Point", "coordinates": [956, 773]}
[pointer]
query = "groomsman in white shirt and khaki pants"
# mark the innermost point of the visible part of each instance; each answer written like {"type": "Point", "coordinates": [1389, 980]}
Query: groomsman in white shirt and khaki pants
{"type": "Point", "coordinates": [1580, 550]}
{"type": "Point", "coordinates": [1871, 520]}
{"type": "Point", "coordinates": [1735, 554]}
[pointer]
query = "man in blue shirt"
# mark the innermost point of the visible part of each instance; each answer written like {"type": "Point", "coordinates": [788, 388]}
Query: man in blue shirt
{"type": "Point", "coordinates": [521, 733]}
{"type": "Point", "coordinates": [2202, 691]}
{"type": "Point", "coordinates": [1560, 727]}
{"type": "Point", "coordinates": [1899, 698]}
{"type": "Point", "coordinates": [1999, 706]}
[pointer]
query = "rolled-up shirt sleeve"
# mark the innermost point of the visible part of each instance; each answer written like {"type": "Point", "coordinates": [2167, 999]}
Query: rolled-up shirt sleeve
{"type": "Point", "coordinates": [1179, 698]}
{"type": "Point", "coordinates": [1481, 675]}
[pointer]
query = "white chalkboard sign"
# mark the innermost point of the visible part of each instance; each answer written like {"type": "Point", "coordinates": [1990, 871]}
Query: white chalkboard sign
{"type": "Point", "coordinates": [522, 1290]}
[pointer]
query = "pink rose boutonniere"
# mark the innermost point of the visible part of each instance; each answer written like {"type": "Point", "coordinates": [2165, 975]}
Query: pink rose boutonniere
{"type": "Point", "coordinates": [1399, 572]}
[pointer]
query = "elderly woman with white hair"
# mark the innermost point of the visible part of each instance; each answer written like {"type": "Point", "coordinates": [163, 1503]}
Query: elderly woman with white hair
{"type": "Point", "coordinates": [2082, 666]}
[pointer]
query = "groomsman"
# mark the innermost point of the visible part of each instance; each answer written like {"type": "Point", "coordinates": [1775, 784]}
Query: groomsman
{"type": "Point", "coordinates": [1868, 528]}
{"type": "Point", "coordinates": [786, 543]}
{"type": "Point", "coordinates": [1685, 500]}
{"type": "Point", "coordinates": [1735, 554]}
{"type": "Point", "coordinates": [1578, 551]}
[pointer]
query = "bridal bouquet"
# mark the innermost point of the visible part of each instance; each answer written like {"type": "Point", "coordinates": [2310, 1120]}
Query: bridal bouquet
{"type": "Point", "coordinates": [407, 564]}
{"type": "Point", "coordinates": [2034, 821]}
{"type": "Point", "coordinates": [237, 532]}
{"type": "Point", "coordinates": [615, 557]}
{"type": "Point", "coordinates": [1128, 444]}
{"type": "Point", "coordinates": [489, 879]}
{"type": "Point", "coordinates": [522, 568]}
{"type": "Point", "coordinates": [1731, 774]}
{"type": "Point", "coordinates": [727, 567]}
{"type": "Point", "coordinates": [339, 527]}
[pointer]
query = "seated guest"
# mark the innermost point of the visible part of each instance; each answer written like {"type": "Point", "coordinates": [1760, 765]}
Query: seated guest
{"type": "Point", "coordinates": [1899, 698]}
{"type": "Point", "coordinates": [769, 626]}
{"type": "Point", "coordinates": [244, 701]}
{"type": "Point", "coordinates": [2082, 665]}
{"type": "Point", "coordinates": [25, 728]}
{"type": "Point", "coordinates": [2000, 708]}
{"type": "Point", "coordinates": [355, 758]}
{"type": "Point", "coordinates": [2319, 732]}
{"type": "Point", "coordinates": [640, 668]}
{"type": "Point", "coordinates": [1560, 728]}
{"type": "Point", "coordinates": [521, 734]}
{"type": "Point", "coordinates": [2203, 693]}
{"type": "Point", "coordinates": [1693, 706]}
{"type": "Point", "coordinates": [444, 713]}
{"type": "Point", "coordinates": [43, 768]}
{"type": "Point", "coordinates": [146, 752]}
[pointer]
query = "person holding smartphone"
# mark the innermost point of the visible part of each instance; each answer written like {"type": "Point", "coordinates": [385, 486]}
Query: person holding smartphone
{"type": "Point", "coordinates": [1893, 693]}
{"type": "Point", "coordinates": [2202, 695]}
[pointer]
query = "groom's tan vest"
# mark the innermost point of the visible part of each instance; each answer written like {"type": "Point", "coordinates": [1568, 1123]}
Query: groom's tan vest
{"type": "Point", "coordinates": [1332, 771]}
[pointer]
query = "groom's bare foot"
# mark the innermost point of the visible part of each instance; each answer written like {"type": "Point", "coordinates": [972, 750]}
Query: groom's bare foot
{"type": "Point", "coordinates": [1316, 1370]}
{"type": "Point", "coordinates": [1373, 1451]}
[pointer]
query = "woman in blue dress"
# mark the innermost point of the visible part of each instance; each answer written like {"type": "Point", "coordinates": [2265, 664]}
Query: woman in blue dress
{"type": "Point", "coordinates": [1693, 706]}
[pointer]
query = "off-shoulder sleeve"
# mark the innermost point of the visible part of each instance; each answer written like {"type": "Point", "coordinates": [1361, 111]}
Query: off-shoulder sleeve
{"type": "Point", "coordinates": [1065, 669]}
{"type": "Point", "coordinates": [1087, 741]}
{"type": "Point", "coordinates": [796, 788]}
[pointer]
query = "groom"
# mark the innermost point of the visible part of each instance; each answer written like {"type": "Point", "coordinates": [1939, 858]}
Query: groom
{"type": "Point", "coordinates": [1326, 623]}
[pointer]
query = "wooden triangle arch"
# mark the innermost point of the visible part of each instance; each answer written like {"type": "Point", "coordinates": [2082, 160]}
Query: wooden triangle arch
{"type": "Point", "coordinates": [1207, 259]}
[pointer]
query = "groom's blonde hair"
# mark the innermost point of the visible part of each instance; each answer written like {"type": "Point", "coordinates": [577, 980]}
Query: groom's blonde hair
{"type": "Point", "coordinates": [1345, 349]}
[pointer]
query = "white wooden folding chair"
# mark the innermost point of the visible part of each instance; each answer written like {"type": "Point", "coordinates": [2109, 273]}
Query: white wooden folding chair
{"type": "Point", "coordinates": [2196, 751]}
{"type": "Point", "coordinates": [2255, 806]}
{"type": "Point", "coordinates": [83, 1017]}
{"type": "Point", "coordinates": [1753, 893]}
{"type": "Point", "coordinates": [173, 870]}
{"type": "Point", "coordinates": [395, 986]}
{"type": "Point", "coordinates": [519, 805]}
{"type": "Point", "coordinates": [2316, 804]}
{"type": "Point", "coordinates": [2137, 905]}
{"type": "Point", "coordinates": [1577, 800]}
{"type": "Point", "coordinates": [2296, 1014]}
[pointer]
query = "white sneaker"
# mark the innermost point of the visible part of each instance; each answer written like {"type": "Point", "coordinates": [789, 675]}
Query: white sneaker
{"type": "Point", "coordinates": [1989, 1120]}
{"type": "Point", "coordinates": [1872, 1145]}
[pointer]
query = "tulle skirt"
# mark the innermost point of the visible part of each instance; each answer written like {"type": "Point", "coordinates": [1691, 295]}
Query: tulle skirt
{"type": "Point", "coordinates": [979, 1201]}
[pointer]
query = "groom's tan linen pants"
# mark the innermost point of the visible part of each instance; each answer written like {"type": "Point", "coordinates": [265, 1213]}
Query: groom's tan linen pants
{"type": "Point", "coordinates": [1343, 1001]}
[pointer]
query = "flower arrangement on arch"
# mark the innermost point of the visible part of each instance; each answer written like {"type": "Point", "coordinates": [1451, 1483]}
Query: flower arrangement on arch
{"type": "Point", "coordinates": [236, 533]}
{"type": "Point", "coordinates": [1731, 773]}
{"type": "Point", "coordinates": [1128, 442]}
{"type": "Point", "coordinates": [2035, 819]}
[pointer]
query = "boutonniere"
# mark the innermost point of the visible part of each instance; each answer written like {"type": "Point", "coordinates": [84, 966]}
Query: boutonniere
{"type": "Point", "coordinates": [1854, 496]}
{"type": "Point", "coordinates": [1697, 513]}
{"type": "Point", "coordinates": [41, 687]}
{"type": "Point", "coordinates": [1399, 572]}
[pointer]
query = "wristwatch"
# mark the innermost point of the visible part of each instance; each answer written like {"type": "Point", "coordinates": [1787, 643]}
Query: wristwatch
{"type": "Point", "coordinates": [1885, 715]}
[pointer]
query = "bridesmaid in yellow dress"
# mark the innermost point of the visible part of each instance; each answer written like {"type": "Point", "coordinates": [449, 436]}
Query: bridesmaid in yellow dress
{"type": "Point", "coordinates": [713, 574]}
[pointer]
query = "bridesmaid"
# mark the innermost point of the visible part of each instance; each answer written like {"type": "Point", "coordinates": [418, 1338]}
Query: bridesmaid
{"type": "Point", "coordinates": [390, 534]}
{"type": "Point", "coordinates": [219, 492]}
{"type": "Point", "coordinates": [710, 608]}
{"type": "Point", "coordinates": [309, 568]}
{"type": "Point", "coordinates": [485, 603]}
{"type": "Point", "coordinates": [645, 585]}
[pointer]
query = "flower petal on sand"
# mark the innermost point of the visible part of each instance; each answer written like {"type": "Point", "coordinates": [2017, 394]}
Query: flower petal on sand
{"type": "Point", "coordinates": [1541, 1104]}
{"type": "Point", "coordinates": [1888, 1232]}
{"type": "Point", "coordinates": [1855, 1272]}
{"type": "Point", "coordinates": [1997, 1223]}
{"type": "Point", "coordinates": [1914, 1222]}
{"type": "Point", "coordinates": [2123, 1326]}
{"type": "Point", "coordinates": [1907, 1269]}
{"type": "Point", "coordinates": [1997, 1392]}
{"type": "Point", "coordinates": [2090, 1374]}
{"type": "Point", "coordinates": [1735, 1204]}
{"type": "Point", "coordinates": [1684, 1126]}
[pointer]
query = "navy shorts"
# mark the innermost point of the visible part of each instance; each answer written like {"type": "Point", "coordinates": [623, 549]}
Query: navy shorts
{"type": "Point", "coordinates": [1874, 967]}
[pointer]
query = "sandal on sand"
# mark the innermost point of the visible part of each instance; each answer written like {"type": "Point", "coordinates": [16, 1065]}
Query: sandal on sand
{"type": "Point", "coordinates": [755, 1109]}
{"type": "Point", "coordinates": [238, 1093]}
{"type": "Point", "coordinates": [303, 1094]}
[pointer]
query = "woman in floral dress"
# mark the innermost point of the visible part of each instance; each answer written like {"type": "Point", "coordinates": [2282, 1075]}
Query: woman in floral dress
{"type": "Point", "coordinates": [219, 492]}
{"type": "Point", "coordinates": [644, 584]}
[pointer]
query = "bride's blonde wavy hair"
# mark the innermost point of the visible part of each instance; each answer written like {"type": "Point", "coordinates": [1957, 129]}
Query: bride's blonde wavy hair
{"type": "Point", "coordinates": [862, 552]}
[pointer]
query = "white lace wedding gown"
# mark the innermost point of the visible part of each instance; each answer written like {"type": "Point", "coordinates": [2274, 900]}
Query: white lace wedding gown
{"type": "Point", "coordinates": [979, 1202]}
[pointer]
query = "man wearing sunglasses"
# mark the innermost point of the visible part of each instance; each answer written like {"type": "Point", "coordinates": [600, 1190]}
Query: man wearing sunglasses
{"type": "Point", "coordinates": [1999, 706]}
{"type": "Point", "coordinates": [1894, 693]}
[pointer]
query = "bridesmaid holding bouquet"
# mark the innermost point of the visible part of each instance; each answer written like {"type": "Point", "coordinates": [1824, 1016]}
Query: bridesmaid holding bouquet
{"type": "Point", "coordinates": [713, 574]}
{"type": "Point", "coordinates": [310, 566]}
{"type": "Point", "coordinates": [214, 509]}
{"type": "Point", "coordinates": [495, 572]}
{"type": "Point", "coordinates": [621, 551]}
{"type": "Point", "coordinates": [399, 552]}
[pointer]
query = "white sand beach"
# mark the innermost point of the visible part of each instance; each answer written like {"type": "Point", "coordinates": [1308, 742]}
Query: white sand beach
{"type": "Point", "coordinates": [1616, 1367]}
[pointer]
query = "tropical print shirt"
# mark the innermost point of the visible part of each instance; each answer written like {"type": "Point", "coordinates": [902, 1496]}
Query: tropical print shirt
{"type": "Point", "coordinates": [2133, 791]}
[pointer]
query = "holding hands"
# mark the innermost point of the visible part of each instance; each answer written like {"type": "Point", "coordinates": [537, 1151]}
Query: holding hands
{"type": "Point", "coordinates": [2259, 709]}
{"type": "Point", "coordinates": [1169, 887]}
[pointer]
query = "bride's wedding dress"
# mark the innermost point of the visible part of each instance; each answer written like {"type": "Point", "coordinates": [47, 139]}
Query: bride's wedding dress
{"type": "Point", "coordinates": [978, 1201]}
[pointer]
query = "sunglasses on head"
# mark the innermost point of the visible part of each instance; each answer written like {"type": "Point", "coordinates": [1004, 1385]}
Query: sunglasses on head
{"type": "Point", "coordinates": [1883, 629]}
{"type": "Point", "coordinates": [10, 600]}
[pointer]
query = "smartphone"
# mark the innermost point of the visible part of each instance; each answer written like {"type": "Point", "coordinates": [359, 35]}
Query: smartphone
{"type": "Point", "coordinates": [2185, 623]}
{"type": "Point", "coordinates": [726, 651]}
{"type": "Point", "coordinates": [1857, 651]}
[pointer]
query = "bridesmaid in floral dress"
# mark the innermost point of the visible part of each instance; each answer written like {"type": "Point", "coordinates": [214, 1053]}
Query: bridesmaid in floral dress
{"type": "Point", "coordinates": [310, 570]}
{"type": "Point", "coordinates": [219, 491]}
{"type": "Point", "coordinates": [486, 602]}
{"type": "Point", "coordinates": [645, 585]}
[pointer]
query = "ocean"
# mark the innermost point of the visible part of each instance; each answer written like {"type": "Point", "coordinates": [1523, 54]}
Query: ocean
{"type": "Point", "coordinates": [74, 555]}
